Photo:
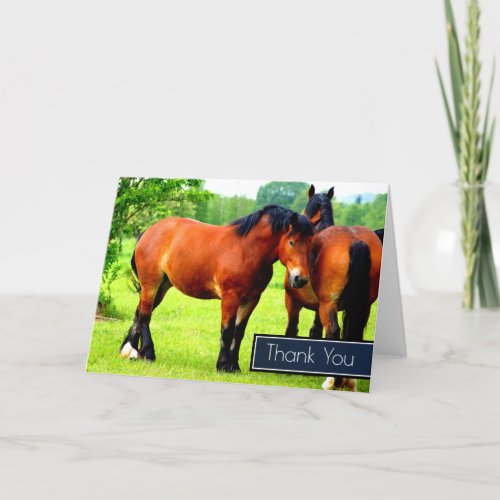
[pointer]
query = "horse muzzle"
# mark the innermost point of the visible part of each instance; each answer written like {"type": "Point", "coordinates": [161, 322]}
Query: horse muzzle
{"type": "Point", "coordinates": [297, 280]}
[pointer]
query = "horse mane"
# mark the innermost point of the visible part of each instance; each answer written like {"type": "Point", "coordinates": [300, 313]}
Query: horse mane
{"type": "Point", "coordinates": [322, 203]}
{"type": "Point", "coordinates": [279, 220]}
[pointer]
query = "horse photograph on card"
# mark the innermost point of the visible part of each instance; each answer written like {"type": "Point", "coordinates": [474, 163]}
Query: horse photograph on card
{"type": "Point", "coordinates": [193, 264]}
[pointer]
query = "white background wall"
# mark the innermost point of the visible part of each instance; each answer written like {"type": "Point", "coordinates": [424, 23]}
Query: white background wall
{"type": "Point", "coordinates": [93, 90]}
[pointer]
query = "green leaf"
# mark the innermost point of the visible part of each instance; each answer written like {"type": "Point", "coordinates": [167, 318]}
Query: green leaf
{"type": "Point", "coordinates": [487, 151]}
{"type": "Point", "coordinates": [450, 18]}
{"type": "Point", "coordinates": [455, 60]}
{"type": "Point", "coordinates": [451, 125]}
{"type": "Point", "coordinates": [489, 294]}
{"type": "Point", "coordinates": [484, 138]}
{"type": "Point", "coordinates": [456, 74]}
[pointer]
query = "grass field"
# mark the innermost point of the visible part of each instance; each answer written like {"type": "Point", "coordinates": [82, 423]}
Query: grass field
{"type": "Point", "coordinates": [186, 336]}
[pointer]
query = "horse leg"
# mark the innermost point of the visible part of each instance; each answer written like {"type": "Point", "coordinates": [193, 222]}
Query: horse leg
{"type": "Point", "coordinates": [130, 345]}
{"type": "Point", "coordinates": [165, 286]}
{"type": "Point", "coordinates": [230, 305]}
{"type": "Point", "coordinates": [139, 332]}
{"type": "Point", "coordinates": [331, 383]}
{"type": "Point", "coordinates": [242, 317]}
{"type": "Point", "coordinates": [147, 350]}
{"type": "Point", "coordinates": [316, 331]}
{"type": "Point", "coordinates": [293, 309]}
{"type": "Point", "coordinates": [328, 317]}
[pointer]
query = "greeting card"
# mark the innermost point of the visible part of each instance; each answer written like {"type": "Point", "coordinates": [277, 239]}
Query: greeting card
{"type": "Point", "coordinates": [255, 282]}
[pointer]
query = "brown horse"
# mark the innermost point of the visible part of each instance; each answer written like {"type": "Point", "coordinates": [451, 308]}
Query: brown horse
{"type": "Point", "coordinates": [346, 263]}
{"type": "Point", "coordinates": [344, 270]}
{"type": "Point", "coordinates": [320, 212]}
{"type": "Point", "coordinates": [233, 263]}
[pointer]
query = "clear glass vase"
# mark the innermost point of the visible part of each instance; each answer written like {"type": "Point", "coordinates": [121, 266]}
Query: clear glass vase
{"type": "Point", "coordinates": [453, 244]}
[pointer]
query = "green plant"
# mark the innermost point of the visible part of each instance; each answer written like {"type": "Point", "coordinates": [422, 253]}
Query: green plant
{"type": "Point", "coordinates": [139, 203]}
{"type": "Point", "coordinates": [472, 148]}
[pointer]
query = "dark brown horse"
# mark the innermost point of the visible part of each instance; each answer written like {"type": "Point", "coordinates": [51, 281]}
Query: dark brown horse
{"type": "Point", "coordinates": [320, 212]}
{"type": "Point", "coordinates": [344, 270]}
{"type": "Point", "coordinates": [233, 263]}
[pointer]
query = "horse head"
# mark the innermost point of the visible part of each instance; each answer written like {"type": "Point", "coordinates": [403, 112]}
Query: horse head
{"type": "Point", "coordinates": [294, 249]}
{"type": "Point", "coordinates": [319, 208]}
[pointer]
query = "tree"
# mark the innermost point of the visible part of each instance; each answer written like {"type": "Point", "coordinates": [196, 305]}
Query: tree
{"type": "Point", "coordinates": [375, 217]}
{"type": "Point", "coordinates": [139, 203]}
{"type": "Point", "coordinates": [370, 214]}
{"type": "Point", "coordinates": [354, 215]}
{"type": "Point", "coordinates": [279, 193]}
{"type": "Point", "coordinates": [220, 210]}
{"type": "Point", "coordinates": [300, 202]}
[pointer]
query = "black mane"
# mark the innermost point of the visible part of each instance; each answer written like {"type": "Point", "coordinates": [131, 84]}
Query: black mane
{"type": "Point", "coordinates": [279, 219]}
{"type": "Point", "coordinates": [322, 203]}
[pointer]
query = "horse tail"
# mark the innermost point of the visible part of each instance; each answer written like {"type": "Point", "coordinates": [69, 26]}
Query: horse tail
{"type": "Point", "coordinates": [355, 296]}
{"type": "Point", "coordinates": [136, 284]}
{"type": "Point", "coordinates": [380, 234]}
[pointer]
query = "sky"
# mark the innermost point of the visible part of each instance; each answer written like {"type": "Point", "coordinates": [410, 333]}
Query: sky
{"type": "Point", "coordinates": [249, 188]}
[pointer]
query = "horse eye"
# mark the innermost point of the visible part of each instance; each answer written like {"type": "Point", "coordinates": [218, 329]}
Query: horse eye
{"type": "Point", "coordinates": [291, 243]}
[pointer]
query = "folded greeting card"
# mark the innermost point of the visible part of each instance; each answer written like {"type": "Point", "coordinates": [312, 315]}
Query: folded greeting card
{"type": "Point", "coordinates": [255, 282]}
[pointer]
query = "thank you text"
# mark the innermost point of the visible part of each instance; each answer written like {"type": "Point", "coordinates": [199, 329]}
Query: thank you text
{"type": "Point", "coordinates": [310, 356]}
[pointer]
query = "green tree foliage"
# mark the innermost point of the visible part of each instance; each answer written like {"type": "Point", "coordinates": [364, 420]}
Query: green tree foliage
{"type": "Point", "coordinates": [139, 203]}
{"type": "Point", "coordinates": [280, 193]}
{"type": "Point", "coordinates": [370, 214]}
{"type": "Point", "coordinates": [375, 217]}
{"type": "Point", "coordinates": [220, 210]}
{"type": "Point", "coordinates": [300, 202]}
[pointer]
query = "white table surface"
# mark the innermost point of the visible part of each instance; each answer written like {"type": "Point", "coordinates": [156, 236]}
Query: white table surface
{"type": "Point", "coordinates": [429, 429]}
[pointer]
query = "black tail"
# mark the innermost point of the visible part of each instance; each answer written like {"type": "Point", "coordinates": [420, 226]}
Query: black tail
{"type": "Point", "coordinates": [355, 296]}
{"type": "Point", "coordinates": [136, 285]}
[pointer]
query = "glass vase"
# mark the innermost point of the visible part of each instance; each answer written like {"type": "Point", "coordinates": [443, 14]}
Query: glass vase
{"type": "Point", "coordinates": [453, 244]}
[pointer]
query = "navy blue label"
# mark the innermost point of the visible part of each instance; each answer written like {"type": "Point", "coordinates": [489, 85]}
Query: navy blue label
{"type": "Point", "coordinates": [301, 355]}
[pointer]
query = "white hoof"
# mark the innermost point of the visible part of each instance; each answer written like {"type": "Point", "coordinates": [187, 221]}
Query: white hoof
{"type": "Point", "coordinates": [328, 383]}
{"type": "Point", "coordinates": [128, 352]}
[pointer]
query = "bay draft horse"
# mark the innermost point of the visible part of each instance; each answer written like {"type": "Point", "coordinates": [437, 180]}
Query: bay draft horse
{"type": "Point", "coordinates": [344, 270]}
{"type": "Point", "coordinates": [233, 263]}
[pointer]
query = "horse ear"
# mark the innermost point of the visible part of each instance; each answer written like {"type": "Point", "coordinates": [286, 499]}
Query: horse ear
{"type": "Point", "coordinates": [311, 192]}
{"type": "Point", "coordinates": [294, 219]}
{"type": "Point", "coordinates": [330, 192]}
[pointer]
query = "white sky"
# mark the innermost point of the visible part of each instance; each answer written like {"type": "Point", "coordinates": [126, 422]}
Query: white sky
{"type": "Point", "coordinates": [249, 188]}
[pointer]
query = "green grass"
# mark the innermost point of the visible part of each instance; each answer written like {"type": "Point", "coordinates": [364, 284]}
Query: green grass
{"type": "Point", "coordinates": [186, 336]}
